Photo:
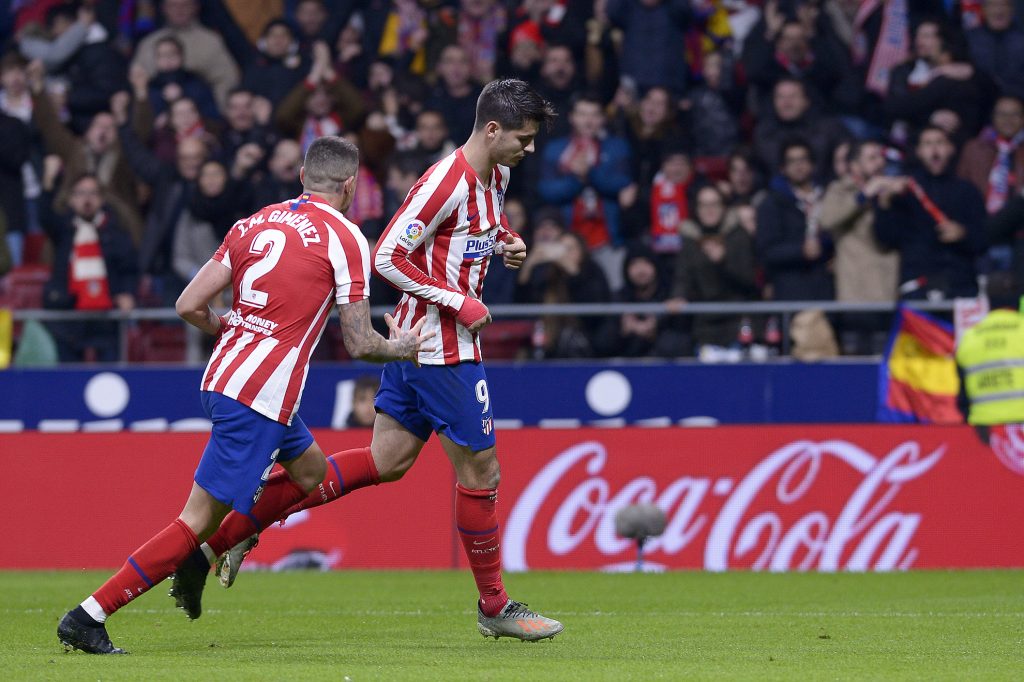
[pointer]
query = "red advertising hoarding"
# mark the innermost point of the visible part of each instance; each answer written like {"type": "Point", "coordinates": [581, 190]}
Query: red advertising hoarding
{"type": "Point", "coordinates": [759, 497]}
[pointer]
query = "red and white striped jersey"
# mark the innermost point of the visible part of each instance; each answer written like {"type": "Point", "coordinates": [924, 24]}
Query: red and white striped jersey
{"type": "Point", "coordinates": [289, 262]}
{"type": "Point", "coordinates": [436, 251]}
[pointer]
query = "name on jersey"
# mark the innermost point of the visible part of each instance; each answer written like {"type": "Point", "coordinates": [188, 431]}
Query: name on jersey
{"type": "Point", "coordinates": [477, 247]}
{"type": "Point", "coordinates": [300, 223]}
{"type": "Point", "coordinates": [252, 323]}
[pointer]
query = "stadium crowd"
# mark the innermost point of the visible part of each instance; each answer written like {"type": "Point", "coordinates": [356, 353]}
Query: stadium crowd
{"type": "Point", "coordinates": [706, 150]}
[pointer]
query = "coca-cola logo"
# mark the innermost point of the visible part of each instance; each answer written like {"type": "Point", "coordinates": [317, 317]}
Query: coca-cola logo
{"type": "Point", "coordinates": [786, 513]}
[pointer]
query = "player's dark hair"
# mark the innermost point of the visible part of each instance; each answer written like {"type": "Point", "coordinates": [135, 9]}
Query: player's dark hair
{"type": "Point", "coordinates": [329, 162]}
{"type": "Point", "coordinates": [512, 103]}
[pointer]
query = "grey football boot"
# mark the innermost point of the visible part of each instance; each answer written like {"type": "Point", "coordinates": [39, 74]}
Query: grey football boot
{"type": "Point", "coordinates": [515, 620]}
{"type": "Point", "coordinates": [230, 561]}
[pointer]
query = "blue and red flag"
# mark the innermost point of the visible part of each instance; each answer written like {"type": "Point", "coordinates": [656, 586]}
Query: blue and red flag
{"type": "Point", "coordinates": [917, 379]}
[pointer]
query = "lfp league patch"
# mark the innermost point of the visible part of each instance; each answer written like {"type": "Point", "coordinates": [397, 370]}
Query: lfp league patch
{"type": "Point", "coordinates": [412, 234]}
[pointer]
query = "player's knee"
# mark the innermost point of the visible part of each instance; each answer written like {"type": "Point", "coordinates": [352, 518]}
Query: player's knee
{"type": "Point", "coordinates": [394, 470]}
{"type": "Point", "coordinates": [309, 476]}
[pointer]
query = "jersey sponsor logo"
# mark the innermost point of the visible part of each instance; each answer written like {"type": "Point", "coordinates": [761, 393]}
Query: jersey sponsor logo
{"type": "Point", "coordinates": [477, 247]}
{"type": "Point", "coordinates": [411, 236]}
{"type": "Point", "coordinates": [252, 323]}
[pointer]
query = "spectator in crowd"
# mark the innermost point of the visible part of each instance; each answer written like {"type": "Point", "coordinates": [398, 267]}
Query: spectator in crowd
{"type": "Point", "coordinates": [278, 66]}
{"type": "Point", "coordinates": [16, 143]}
{"type": "Point", "coordinates": [247, 120]}
{"type": "Point", "coordinates": [430, 136]}
{"type": "Point", "coordinates": [404, 170]}
{"type": "Point", "coordinates": [558, 83]}
{"type": "Point", "coordinates": [652, 41]}
{"type": "Point", "coordinates": [455, 93]}
{"type": "Point", "coordinates": [743, 183]}
{"type": "Point", "coordinates": [648, 126]}
{"type": "Point", "coordinates": [314, 22]}
{"type": "Point", "coordinates": [94, 268]}
{"type": "Point", "coordinates": [525, 55]}
{"type": "Point", "coordinates": [713, 108]}
{"type": "Point", "coordinates": [322, 104]}
{"type": "Point", "coordinates": [670, 204]}
{"type": "Point", "coordinates": [563, 272]}
{"type": "Point", "coordinates": [716, 264]}
{"type": "Point", "coordinates": [501, 281]}
{"type": "Point", "coordinates": [636, 335]}
{"type": "Point", "coordinates": [584, 174]}
{"type": "Point", "coordinates": [936, 221]}
{"type": "Point", "coordinates": [864, 269]}
{"type": "Point", "coordinates": [997, 47]}
{"type": "Point", "coordinates": [352, 60]}
{"type": "Point", "coordinates": [1006, 228]}
{"type": "Point", "coordinates": [172, 81]}
{"type": "Point", "coordinates": [791, 116]}
{"type": "Point", "coordinates": [994, 161]}
{"type": "Point", "coordinates": [92, 70]}
{"type": "Point", "coordinates": [783, 49]}
{"type": "Point", "coordinates": [281, 181]}
{"type": "Point", "coordinates": [933, 80]}
{"type": "Point", "coordinates": [97, 152]}
{"type": "Point", "coordinates": [182, 121]}
{"type": "Point", "coordinates": [214, 204]}
{"type": "Point", "coordinates": [480, 25]}
{"type": "Point", "coordinates": [790, 243]}
{"type": "Point", "coordinates": [207, 55]}
{"type": "Point", "coordinates": [363, 393]}
{"type": "Point", "coordinates": [169, 220]}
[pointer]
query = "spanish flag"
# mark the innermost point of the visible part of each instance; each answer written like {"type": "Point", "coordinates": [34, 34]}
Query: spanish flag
{"type": "Point", "coordinates": [917, 379]}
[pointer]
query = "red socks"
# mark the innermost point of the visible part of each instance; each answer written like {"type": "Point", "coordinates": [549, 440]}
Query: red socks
{"type": "Point", "coordinates": [147, 566]}
{"type": "Point", "coordinates": [279, 493]}
{"type": "Point", "coordinates": [477, 522]}
{"type": "Point", "coordinates": [346, 471]}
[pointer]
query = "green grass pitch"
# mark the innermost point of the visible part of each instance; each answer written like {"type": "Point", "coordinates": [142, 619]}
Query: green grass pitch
{"type": "Point", "coordinates": [421, 626]}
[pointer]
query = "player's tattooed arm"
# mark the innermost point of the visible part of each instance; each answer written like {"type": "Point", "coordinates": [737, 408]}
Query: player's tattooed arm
{"type": "Point", "coordinates": [364, 343]}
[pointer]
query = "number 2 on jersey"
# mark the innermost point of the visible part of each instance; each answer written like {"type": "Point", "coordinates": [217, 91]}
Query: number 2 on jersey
{"type": "Point", "coordinates": [276, 239]}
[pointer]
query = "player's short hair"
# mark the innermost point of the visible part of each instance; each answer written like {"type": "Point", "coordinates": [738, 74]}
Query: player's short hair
{"type": "Point", "coordinates": [512, 103]}
{"type": "Point", "coordinates": [329, 162]}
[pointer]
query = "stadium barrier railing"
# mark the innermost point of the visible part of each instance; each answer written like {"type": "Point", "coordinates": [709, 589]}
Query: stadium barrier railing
{"type": "Point", "coordinates": [784, 309]}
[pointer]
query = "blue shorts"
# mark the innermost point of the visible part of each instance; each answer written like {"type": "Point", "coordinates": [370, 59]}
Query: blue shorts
{"type": "Point", "coordinates": [450, 399]}
{"type": "Point", "coordinates": [243, 447]}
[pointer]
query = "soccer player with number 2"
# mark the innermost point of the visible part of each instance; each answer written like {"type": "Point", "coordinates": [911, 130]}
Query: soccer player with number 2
{"type": "Point", "coordinates": [436, 251]}
{"type": "Point", "coordinates": [286, 265]}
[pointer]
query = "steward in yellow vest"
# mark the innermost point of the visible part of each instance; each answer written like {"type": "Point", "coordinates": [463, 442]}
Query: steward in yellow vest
{"type": "Point", "coordinates": [991, 360]}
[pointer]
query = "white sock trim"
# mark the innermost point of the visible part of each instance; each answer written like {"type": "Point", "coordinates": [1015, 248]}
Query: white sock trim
{"type": "Point", "coordinates": [210, 556]}
{"type": "Point", "coordinates": [93, 608]}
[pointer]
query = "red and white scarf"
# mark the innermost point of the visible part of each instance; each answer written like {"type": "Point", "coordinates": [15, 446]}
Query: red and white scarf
{"type": "Point", "coordinates": [669, 208]}
{"type": "Point", "coordinates": [1000, 177]}
{"type": "Point", "coordinates": [87, 271]}
{"type": "Point", "coordinates": [892, 47]}
{"type": "Point", "coordinates": [319, 127]}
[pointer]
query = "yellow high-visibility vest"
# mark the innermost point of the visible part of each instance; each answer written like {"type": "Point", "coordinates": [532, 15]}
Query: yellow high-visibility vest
{"type": "Point", "coordinates": [991, 355]}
